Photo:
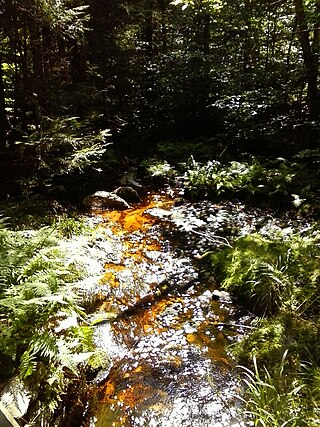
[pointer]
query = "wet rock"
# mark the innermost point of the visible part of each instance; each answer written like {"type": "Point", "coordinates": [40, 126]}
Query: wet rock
{"type": "Point", "coordinates": [127, 193]}
{"type": "Point", "coordinates": [179, 201]}
{"type": "Point", "coordinates": [221, 295]}
{"type": "Point", "coordinates": [105, 200]}
{"type": "Point", "coordinates": [16, 398]}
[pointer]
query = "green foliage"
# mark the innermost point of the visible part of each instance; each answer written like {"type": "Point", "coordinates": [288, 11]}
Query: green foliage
{"type": "Point", "coordinates": [215, 178]}
{"type": "Point", "coordinates": [286, 390]}
{"type": "Point", "coordinates": [271, 398]}
{"type": "Point", "coordinates": [66, 145]}
{"type": "Point", "coordinates": [42, 337]}
{"type": "Point", "coordinates": [181, 149]}
{"type": "Point", "coordinates": [273, 274]}
{"type": "Point", "coordinates": [253, 268]}
{"type": "Point", "coordinates": [253, 118]}
{"type": "Point", "coordinates": [265, 343]}
{"type": "Point", "coordinates": [311, 377]}
{"type": "Point", "coordinates": [276, 274]}
{"type": "Point", "coordinates": [278, 180]}
{"type": "Point", "coordinates": [159, 171]}
{"type": "Point", "coordinates": [32, 211]}
{"type": "Point", "coordinates": [165, 65]}
{"type": "Point", "coordinates": [68, 226]}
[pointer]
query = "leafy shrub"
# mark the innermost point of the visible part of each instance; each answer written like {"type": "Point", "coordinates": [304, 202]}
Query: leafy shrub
{"type": "Point", "coordinates": [65, 145]}
{"type": "Point", "coordinates": [279, 180]}
{"type": "Point", "coordinates": [159, 171]}
{"type": "Point", "coordinates": [215, 178]}
{"type": "Point", "coordinates": [272, 274]}
{"type": "Point", "coordinates": [42, 338]}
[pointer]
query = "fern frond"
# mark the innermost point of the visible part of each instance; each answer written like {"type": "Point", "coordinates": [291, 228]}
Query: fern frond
{"type": "Point", "coordinates": [44, 344]}
{"type": "Point", "coordinates": [27, 365]}
{"type": "Point", "coordinates": [4, 222]}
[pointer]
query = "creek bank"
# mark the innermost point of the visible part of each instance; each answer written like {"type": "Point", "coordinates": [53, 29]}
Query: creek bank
{"type": "Point", "coordinates": [160, 319]}
{"type": "Point", "coordinates": [168, 329]}
{"type": "Point", "coordinates": [141, 266]}
{"type": "Point", "coordinates": [171, 324]}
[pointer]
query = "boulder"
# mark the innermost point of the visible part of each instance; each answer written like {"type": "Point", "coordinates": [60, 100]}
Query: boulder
{"type": "Point", "coordinates": [16, 398]}
{"type": "Point", "coordinates": [127, 193]}
{"type": "Point", "coordinates": [105, 200]}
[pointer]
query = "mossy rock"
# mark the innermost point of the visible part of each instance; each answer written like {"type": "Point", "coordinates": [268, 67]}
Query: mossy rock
{"type": "Point", "coordinates": [105, 200]}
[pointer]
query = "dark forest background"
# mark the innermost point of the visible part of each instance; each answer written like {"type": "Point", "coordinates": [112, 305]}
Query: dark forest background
{"type": "Point", "coordinates": [241, 73]}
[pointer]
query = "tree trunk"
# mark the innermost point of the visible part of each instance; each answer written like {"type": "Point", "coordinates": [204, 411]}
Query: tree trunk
{"type": "Point", "coordinates": [148, 28]}
{"type": "Point", "coordinates": [310, 61]}
{"type": "Point", "coordinates": [36, 47]}
{"type": "Point", "coordinates": [206, 34]}
{"type": "Point", "coordinates": [3, 117]}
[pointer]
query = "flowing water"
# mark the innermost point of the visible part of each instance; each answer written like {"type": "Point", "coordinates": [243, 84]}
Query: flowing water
{"type": "Point", "coordinates": [170, 324]}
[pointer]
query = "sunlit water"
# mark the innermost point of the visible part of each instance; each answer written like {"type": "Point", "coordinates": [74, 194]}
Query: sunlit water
{"type": "Point", "coordinates": [169, 363]}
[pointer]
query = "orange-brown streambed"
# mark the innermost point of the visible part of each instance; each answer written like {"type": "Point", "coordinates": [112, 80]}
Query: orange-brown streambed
{"type": "Point", "coordinates": [169, 363]}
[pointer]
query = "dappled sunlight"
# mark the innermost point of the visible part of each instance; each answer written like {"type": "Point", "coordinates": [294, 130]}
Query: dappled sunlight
{"type": "Point", "coordinates": [159, 213]}
{"type": "Point", "coordinates": [136, 218]}
{"type": "Point", "coordinates": [166, 326]}
{"type": "Point", "coordinates": [110, 275]}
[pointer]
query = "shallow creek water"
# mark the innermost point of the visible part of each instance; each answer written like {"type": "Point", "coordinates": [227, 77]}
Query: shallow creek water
{"type": "Point", "coordinates": [167, 342]}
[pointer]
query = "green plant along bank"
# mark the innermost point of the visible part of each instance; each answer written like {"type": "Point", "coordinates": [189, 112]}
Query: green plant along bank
{"type": "Point", "coordinates": [37, 296]}
{"type": "Point", "coordinates": [273, 272]}
{"type": "Point", "coordinates": [277, 275]}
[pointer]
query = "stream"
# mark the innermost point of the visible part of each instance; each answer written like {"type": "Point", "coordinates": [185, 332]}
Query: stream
{"type": "Point", "coordinates": [163, 320]}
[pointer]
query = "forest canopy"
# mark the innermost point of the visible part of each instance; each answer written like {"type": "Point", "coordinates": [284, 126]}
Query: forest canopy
{"type": "Point", "coordinates": [203, 66]}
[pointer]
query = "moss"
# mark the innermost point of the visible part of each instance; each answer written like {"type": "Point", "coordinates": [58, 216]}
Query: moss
{"type": "Point", "coordinates": [272, 274]}
{"type": "Point", "coordinates": [266, 343]}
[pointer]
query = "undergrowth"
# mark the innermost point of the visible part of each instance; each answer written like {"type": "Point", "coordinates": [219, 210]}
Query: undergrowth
{"type": "Point", "coordinates": [273, 274]}
{"type": "Point", "coordinates": [285, 182]}
{"type": "Point", "coordinates": [64, 158]}
{"type": "Point", "coordinates": [276, 275]}
{"type": "Point", "coordinates": [66, 144]}
{"type": "Point", "coordinates": [44, 336]}
{"type": "Point", "coordinates": [272, 398]}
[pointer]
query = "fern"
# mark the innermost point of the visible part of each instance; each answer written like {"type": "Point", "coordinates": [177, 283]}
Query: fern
{"type": "Point", "coordinates": [28, 364]}
{"type": "Point", "coordinates": [44, 344]}
{"type": "Point", "coordinates": [246, 179]}
{"type": "Point", "coordinates": [274, 273]}
{"type": "Point", "coordinates": [68, 145]}
{"type": "Point", "coordinates": [36, 292]}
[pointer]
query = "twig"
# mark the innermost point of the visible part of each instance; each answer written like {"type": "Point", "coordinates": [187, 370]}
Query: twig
{"type": "Point", "coordinates": [234, 325]}
{"type": "Point", "coordinates": [213, 238]}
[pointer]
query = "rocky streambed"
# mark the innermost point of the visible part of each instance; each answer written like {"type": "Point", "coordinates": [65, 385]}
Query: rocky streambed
{"type": "Point", "coordinates": [158, 314]}
{"type": "Point", "coordinates": [163, 320]}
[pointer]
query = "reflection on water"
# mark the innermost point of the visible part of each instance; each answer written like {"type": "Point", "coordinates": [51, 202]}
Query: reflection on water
{"type": "Point", "coordinates": [169, 364]}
